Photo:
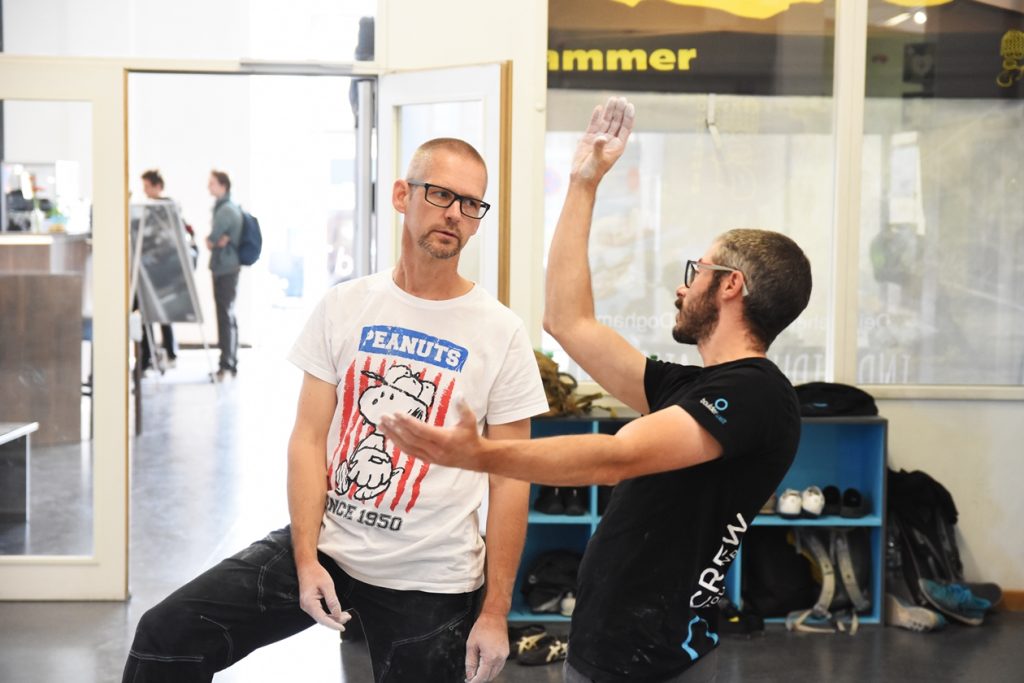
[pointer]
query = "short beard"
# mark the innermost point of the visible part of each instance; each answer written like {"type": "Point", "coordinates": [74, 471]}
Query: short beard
{"type": "Point", "coordinates": [439, 254]}
{"type": "Point", "coordinates": [700, 320]}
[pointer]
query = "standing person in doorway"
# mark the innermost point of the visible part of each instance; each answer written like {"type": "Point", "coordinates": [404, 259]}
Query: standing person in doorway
{"type": "Point", "coordinates": [374, 532]}
{"type": "Point", "coordinates": [225, 233]}
{"type": "Point", "coordinates": [153, 188]}
{"type": "Point", "coordinates": [691, 474]}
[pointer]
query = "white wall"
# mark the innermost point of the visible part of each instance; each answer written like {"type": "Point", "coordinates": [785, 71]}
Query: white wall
{"type": "Point", "coordinates": [973, 449]}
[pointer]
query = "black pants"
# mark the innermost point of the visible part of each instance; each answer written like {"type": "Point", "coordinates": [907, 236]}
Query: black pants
{"type": "Point", "coordinates": [252, 599]}
{"type": "Point", "coordinates": [166, 341]}
{"type": "Point", "coordinates": [225, 289]}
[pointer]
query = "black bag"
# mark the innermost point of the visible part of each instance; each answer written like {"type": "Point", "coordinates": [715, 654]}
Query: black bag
{"type": "Point", "coordinates": [827, 399]}
{"type": "Point", "coordinates": [551, 576]}
{"type": "Point", "coordinates": [922, 521]}
{"type": "Point", "coordinates": [776, 579]}
{"type": "Point", "coordinates": [251, 242]}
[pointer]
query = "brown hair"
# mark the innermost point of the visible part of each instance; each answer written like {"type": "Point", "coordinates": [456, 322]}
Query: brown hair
{"type": "Point", "coordinates": [777, 274]}
{"type": "Point", "coordinates": [153, 177]}
{"type": "Point", "coordinates": [222, 178]}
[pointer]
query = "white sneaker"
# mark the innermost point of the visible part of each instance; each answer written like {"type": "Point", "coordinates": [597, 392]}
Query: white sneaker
{"type": "Point", "coordinates": [812, 501]}
{"type": "Point", "coordinates": [790, 504]}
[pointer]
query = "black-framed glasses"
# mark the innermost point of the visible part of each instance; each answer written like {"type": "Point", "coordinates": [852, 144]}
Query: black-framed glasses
{"type": "Point", "coordinates": [443, 197]}
{"type": "Point", "coordinates": [692, 267]}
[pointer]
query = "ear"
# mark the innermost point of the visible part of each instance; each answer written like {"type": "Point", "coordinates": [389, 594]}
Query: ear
{"type": "Point", "coordinates": [732, 285]}
{"type": "Point", "coordinates": [400, 195]}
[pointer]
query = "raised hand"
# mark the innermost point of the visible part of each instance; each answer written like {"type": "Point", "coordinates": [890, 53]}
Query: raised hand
{"type": "Point", "coordinates": [604, 140]}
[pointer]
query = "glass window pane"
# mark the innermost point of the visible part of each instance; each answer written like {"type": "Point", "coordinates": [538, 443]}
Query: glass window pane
{"type": "Point", "coordinates": [941, 248]}
{"type": "Point", "coordinates": [299, 30]}
{"type": "Point", "coordinates": [734, 130]}
{"type": "Point", "coordinates": [46, 335]}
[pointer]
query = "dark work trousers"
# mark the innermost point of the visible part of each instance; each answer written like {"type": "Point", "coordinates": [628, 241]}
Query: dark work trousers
{"type": "Point", "coordinates": [252, 599]}
{"type": "Point", "coordinates": [225, 289]}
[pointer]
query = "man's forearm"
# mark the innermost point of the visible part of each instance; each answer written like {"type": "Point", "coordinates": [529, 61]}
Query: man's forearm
{"type": "Point", "coordinates": [506, 535]}
{"type": "Point", "coordinates": [568, 291]}
{"type": "Point", "coordinates": [307, 498]}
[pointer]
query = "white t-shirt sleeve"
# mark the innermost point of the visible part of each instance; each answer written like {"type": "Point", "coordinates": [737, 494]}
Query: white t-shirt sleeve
{"type": "Point", "coordinates": [518, 392]}
{"type": "Point", "coordinates": [312, 350]}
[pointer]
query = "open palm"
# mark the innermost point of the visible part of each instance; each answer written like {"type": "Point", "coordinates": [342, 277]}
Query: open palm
{"type": "Point", "coordinates": [605, 139]}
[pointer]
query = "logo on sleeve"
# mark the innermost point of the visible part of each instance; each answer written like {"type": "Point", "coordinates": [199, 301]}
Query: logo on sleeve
{"type": "Point", "coordinates": [716, 407]}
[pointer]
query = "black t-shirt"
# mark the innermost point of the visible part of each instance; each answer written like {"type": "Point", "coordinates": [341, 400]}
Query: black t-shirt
{"type": "Point", "coordinates": [654, 571]}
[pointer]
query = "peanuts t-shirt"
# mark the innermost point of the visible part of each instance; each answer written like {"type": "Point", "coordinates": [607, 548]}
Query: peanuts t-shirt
{"type": "Point", "coordinates": [392, 520]}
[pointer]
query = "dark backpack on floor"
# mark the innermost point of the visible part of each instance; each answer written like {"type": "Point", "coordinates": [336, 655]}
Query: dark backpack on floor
{"type": "Point", "coordinates": [251, 242]}
{"type": "Point", "coordinates": [922, 530]}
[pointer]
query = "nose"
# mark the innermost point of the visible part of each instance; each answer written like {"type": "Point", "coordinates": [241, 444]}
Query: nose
{"type": "Point", "coordinates": [454, 212]}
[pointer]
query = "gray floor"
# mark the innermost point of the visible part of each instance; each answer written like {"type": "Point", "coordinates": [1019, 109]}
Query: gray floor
{"type": "Point", "coordinates": [208, 477]}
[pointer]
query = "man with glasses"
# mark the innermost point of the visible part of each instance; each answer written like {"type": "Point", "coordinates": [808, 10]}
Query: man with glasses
{"type": "Point", "coordinates": [375, 532]}
{"type": "Point", "coordinates": [691, 473]}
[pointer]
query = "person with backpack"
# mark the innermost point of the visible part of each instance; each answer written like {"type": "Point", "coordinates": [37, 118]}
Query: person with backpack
{"type": "Point", "coordinates": [225, 234]}
{"type": "Point", "coordinates": [691, 473]}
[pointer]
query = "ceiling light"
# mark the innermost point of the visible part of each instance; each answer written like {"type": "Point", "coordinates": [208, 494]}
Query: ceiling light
{"type": "Point", "coordinates": [920, 17]}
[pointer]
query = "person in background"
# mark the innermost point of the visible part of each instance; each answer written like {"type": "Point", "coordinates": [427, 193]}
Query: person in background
{"type": "Point", "coordinates": [225, 232]}
{"type": "Point", "coordinates": [153, 187]}
{"type": "Point", "coordinates": [373, 532]}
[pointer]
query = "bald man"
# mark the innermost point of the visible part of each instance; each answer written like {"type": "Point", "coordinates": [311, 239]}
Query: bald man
{"type": "Point", "coordinates": [375, 532]}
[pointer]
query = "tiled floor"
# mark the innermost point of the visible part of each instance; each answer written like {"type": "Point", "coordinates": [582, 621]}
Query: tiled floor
{"type": "Point", "coordinates": [208, 478]}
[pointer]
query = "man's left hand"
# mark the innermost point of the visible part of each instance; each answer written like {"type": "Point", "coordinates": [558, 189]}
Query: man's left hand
{"type": "Point", "coordinates": [487, 648]}
{"type": "Point", "coordinates": [458, 445]}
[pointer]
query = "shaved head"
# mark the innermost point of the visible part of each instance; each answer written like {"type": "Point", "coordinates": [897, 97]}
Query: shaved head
{"type": "Point", "coordinates": [422, 158]}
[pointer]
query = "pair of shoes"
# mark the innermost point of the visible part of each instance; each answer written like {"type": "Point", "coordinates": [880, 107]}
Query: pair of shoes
{"type": "Point", "coordinates": [900, 613]}
{"type": "Point", "coordinates": [854, 505]}
{"type": "Point", "coordinates": [523, 639]}
{"type": "Point", "coordinates": [555, 500]}
{"type": "Point", "coordinates": [955, 600]}
{"type": "Point", "coordinates": [793, 504]}
{"type": "Point", "coordinates": [172, 362]}
{"type": "Point", "coordinates": [549, 649]}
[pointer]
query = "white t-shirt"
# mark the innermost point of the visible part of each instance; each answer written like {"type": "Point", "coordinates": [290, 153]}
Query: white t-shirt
{"type": "Point", "coordinates": [392, 520]}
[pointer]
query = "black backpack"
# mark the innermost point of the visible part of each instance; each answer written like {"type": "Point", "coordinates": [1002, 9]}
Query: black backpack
{"type": "Point", "coordinates": [826, 399]}
{"type": "Point", "coordinates": [550, 578]}
{"type": "Point", "coordinates": [251, 242]}
{"type": "Point", "coordinates": [922, 533]}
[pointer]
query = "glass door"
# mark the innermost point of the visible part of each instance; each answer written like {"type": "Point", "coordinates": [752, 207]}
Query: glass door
{"type": "Point", "coordinates": [63, 376]}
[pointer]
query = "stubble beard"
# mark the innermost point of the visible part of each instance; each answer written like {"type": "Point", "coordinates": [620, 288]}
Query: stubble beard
{"type": "Point", "coordinates": [439, 252]}
{"type": "Point", "coordinates": [698, 320]}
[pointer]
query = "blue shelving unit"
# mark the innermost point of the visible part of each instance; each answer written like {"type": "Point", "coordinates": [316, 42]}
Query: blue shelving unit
{"type": "Point", "coordinates": [847, 452]}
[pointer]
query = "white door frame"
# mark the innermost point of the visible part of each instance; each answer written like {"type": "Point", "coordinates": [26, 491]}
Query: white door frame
{"type": "Point", "coordinates": [104, 574]}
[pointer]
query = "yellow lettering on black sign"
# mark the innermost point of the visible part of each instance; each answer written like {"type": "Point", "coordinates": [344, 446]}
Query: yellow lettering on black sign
{"type": "Point", "coordinates": [621, 59]}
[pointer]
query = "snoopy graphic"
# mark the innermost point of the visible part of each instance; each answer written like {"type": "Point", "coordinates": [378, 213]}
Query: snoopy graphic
{"type": "Point", "coordinates": [369, 468]}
